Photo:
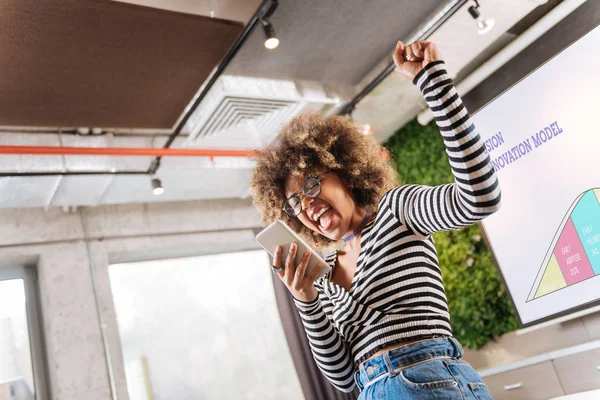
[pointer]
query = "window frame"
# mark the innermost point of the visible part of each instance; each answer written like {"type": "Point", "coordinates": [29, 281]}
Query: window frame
{"type": "Point", "coordinates": [28, 274]}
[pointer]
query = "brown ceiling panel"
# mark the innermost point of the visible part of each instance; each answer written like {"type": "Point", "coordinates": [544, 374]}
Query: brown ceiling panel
{"type": "Point", "coordinates": [102, 63]}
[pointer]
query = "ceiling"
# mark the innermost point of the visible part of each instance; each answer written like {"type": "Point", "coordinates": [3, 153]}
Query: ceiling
{"type": "Point", "coordinates": [329, 50]}
{"type": "Point", "coordinates": [331, 41]}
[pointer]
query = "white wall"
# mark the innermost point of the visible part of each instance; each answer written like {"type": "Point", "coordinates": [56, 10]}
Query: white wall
{"type": "Point", "coordinates": [55, 242]}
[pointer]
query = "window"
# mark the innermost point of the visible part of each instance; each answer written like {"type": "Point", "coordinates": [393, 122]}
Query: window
{"type": "Point", "coordinates": [204, 327]}
{"type": "Point", "coordinates": [21, 356]}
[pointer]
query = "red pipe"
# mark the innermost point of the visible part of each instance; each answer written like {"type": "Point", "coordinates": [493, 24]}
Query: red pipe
{"type": "Point", "coordinates": [121, 151]}
{"type": "Point", "coordinates": [131, 151]}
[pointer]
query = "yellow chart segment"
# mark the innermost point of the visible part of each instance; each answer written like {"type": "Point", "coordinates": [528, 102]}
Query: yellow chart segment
{"type": "Point", "coordinates": [597, 191]}
{"type": "Point", "coordinates": [552, 280]}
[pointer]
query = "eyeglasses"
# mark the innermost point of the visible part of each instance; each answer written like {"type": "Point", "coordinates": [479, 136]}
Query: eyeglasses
{"type": "Point", "coordinates": [310, 188]}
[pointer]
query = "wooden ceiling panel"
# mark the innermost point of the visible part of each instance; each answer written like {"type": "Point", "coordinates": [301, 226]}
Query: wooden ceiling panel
{"type": "Point", "coordinates": [100, 63]}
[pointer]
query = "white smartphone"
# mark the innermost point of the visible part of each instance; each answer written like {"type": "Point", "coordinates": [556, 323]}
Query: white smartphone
{"type": "Point", "coordinates": [279, 234]}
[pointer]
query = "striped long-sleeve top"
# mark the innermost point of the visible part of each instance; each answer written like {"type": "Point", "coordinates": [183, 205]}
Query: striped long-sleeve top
{"type": "Point", "coordinates": [397, 293]}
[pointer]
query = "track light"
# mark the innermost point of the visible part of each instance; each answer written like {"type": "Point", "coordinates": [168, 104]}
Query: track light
{"type": "Point", "coordinates": [484, 25]}
{"type": "Point", "coordinates": [157, 187]}
{"type": "Point", "coordinates": [271, 41]}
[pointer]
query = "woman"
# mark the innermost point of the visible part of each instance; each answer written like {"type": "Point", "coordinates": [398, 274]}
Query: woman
{"type": "Point", "coordinates": [380, 318]}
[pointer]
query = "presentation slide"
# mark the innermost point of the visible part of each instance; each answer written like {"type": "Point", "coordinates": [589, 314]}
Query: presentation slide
{"type": "Point", "coordinates": [543, 137]}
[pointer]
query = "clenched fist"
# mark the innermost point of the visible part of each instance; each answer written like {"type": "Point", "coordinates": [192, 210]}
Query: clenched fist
{"type": "Point", "coordinates": [411, 59]}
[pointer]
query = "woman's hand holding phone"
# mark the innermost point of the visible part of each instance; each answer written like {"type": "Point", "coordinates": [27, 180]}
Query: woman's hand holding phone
{"type": "Point", "coordinates": [293, 277]}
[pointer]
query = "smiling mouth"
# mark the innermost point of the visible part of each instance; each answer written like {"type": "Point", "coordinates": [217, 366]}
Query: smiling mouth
{"type": "Point", "coordinates": [324, 218]}
{"type": "Point", "coordinates": [321, 212]}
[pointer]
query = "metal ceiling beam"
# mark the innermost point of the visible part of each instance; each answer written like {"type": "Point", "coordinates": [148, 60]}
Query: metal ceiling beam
{"type": "Point", "coordinates": [422, 33]}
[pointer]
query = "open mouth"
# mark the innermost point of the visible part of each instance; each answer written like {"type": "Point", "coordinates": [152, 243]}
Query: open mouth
{"type": "Point", "coordinates": [324, 218]}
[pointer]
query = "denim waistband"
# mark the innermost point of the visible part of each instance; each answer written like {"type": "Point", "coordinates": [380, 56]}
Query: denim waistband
{"type": "Point", "coordinates": [405, 356]}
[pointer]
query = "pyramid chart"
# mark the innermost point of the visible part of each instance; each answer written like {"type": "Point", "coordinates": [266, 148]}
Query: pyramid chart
{"type": "Point", "coordinates": [574, 254]}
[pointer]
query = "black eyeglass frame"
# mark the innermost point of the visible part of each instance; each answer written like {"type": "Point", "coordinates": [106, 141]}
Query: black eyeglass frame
{"type": "Point", "coordinates": [304, 193]}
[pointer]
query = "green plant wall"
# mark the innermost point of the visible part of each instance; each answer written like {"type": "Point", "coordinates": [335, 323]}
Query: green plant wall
{"type": "Point", "coordinates": [479, 307]}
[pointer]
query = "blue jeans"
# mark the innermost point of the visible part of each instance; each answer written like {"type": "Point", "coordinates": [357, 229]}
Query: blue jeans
{"type": "Point", "coordinates": [430, 369]}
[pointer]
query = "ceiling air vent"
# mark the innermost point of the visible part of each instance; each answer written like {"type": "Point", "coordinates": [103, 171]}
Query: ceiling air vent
{"type": "Point", "coordinates": [246, 112]}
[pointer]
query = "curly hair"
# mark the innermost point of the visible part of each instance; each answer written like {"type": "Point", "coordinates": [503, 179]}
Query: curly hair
{"type": "Point", "coordinates": [311, 142]}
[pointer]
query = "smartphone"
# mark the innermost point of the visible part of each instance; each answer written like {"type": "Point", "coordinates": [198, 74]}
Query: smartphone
{"type": "Point", "coordinates": [279, 234]}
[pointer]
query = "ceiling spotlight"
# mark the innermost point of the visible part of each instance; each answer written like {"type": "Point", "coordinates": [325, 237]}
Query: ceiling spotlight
{"type": "Point", "coordinates": [484, 25]}
{"type": "Point", "coordinates": [157, 187]}
{"type": "Point", "coordinates": [271, 42]}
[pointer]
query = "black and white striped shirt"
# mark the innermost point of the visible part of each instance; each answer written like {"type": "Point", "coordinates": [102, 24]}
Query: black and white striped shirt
{"type": "Point", "coordinates": [397, 293]}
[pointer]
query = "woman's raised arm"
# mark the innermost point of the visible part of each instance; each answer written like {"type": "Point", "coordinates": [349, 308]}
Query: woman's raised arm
{"type": "Point", "coordinates": [475, 192]}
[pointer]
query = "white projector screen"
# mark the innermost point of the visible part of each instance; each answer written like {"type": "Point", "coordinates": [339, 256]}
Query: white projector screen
{"type": "Point", "coordinates": [543, 137]}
